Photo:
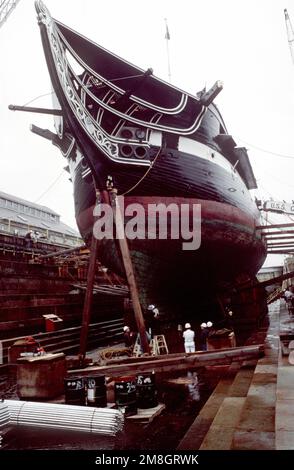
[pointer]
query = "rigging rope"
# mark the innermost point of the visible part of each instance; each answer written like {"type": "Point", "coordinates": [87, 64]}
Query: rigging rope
{"type": "Point", "coordinates": [37, 97]}
{"type": "Point", "coordinates": [144, 176]}
{"type": "Point", "coordinates": [50, 186]}
{"type": "Point", "coordinates": [282, 155]}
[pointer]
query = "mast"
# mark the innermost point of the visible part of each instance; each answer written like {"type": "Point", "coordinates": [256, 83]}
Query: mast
{"type": "Point", "coordinates": [6, 7]}
{"type": "Point", "coordinates": [167, 38]}
{"type": "Point", "coordinates": [290, 34]}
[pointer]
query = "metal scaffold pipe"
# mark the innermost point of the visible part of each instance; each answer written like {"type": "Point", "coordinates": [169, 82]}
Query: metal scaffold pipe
{"type": "Point", "coordinates": [4, 414]}
{"type": "Point", "coordinates": [76, 418]}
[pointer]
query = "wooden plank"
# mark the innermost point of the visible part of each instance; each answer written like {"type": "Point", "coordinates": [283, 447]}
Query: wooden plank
{"type": "Point", "coordinates": [279, 232]}
{"type": "Point", "coordinates": [273, 280]}
{"type": "Point", "coordinates": [127, 262]}
{"type": "Point", "coordinates": [282, 236]}
{"type": "Point", "coordinates": [280, 244]}
{"type": "Point", "coordinates": [265, 227]}
{"type": "Point", "coordinates": [62, 252]}
{"type": "Point", "coordinates": [281, 252]}
{"type": "Point", "coordinates": [176, 362]}
{"type": "Point", "coordinates": [89, 292]}
{"type": "Point", "coordinates": [147, 415]}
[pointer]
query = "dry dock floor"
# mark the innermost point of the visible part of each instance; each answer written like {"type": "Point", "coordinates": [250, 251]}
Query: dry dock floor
{"type": "Point", "coordinates": [253, 409]}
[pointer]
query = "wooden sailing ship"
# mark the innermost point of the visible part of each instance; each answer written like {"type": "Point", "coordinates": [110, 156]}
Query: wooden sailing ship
{"type": "Point", "coordinates": [158, 145]}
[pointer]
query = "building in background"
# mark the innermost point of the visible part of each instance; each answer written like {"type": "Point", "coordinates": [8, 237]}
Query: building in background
{"type": "Point", "coordinates": [270, 272]}
{"type": "Point", "coordinates": [18, 217]}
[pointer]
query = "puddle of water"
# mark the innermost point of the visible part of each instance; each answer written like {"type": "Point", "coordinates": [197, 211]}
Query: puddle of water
{"type": "Point", "coordinates": [183, 396]}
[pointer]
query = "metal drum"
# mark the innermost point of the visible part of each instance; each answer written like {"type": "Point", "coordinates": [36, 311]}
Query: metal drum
{"type": "Point", "coordinates": [96, 391]}
{"type": "Point", "coordinates": [125, 394]}
{"type": "Point", "coordinates": [146, 391]}
{"type": "Point", "coordinates": [75, 393]}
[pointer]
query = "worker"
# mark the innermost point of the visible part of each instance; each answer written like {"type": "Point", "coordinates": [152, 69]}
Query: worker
{"type": "Point", "coordinates": [129, 336]}
{"type": "Point", "coordinates": [189, 339]}
{"type": "Point", "coordinates": [203, 335]}
{"type": "Point", "coordinates": [289, 298]}
{"type": "Point", "coordinates": [288, 295]}
{"type": "Point", "coordinates": [154, 310]}
{"type": "Point", "coordinates": [151, 320]}
{"type": "Point", "coordinates": [34, 236]}
{"type": "Point", "coordinates": [28, 239]}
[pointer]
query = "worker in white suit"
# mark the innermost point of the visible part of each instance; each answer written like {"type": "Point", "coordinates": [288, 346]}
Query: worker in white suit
{"type": "Point", "coordinates": [189, 339]}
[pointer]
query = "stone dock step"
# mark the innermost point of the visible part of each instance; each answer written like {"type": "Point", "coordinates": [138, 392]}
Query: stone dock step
{"type": "Point", "coordinates": [196, 433]}
{"type": "Point", "coordinates": [256, 427]}
{"type": "Point", "coordinates": [285, 393]}
{"type": "Point", "coordinates": [221, 432]}
{"type": "Point", "coordinates": [254, 410]}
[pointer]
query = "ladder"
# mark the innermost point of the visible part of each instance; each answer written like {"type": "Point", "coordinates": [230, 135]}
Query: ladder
{"type": "Point", "coordinates": [137, 351]}
{"type": "Point", "coordinates": [276, 294]}
{"type": "Point", "coordinates": [158, 345]}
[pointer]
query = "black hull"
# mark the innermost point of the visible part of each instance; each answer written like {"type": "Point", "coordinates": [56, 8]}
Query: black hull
{"type": "Point", "coordinates": [158, 144]}
{"type": "Point", "coordinates": [174, 174]}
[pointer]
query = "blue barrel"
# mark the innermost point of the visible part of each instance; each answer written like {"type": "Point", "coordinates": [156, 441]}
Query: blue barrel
{"type": "Point", "coordinates": [125, 394]}
{"type": "Point", "coordinates": [96, 391]}
{"type": "Point", "coordinates": [146, 391]}
{"type": "Point", "coordinates": [75, 393]}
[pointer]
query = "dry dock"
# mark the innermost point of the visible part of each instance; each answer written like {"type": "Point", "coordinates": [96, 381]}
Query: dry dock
{"type": "Point", "coordinates": [252, 409]}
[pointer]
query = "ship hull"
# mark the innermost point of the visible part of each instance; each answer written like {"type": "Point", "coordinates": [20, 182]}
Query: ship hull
{"type": "Point", "coordinates": [230, 251]}
{"type": "Point", "coordinates": [175, 174]}
{"type": "Point", "coordinates": [155, 144]}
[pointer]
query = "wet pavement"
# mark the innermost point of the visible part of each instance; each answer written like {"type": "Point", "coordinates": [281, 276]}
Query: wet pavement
{"type": "Point", "coordinates": [183, 397]}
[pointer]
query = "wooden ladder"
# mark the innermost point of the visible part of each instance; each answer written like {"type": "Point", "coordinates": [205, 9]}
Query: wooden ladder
{"type": "Point", "coordinates": [276, 294]}
{"type": "Point", "coordinates": [158, 345]}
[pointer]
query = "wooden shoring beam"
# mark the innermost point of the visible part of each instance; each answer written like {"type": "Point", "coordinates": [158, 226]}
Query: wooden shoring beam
{"type": "Point", "coordinates": [280, 252]}
{"type": "Point", "coordinates": [278, 232]}
{"type": "Point", "coordinates": [280, 237]}
{"type": "Point", "coordinates": [269, 282]}
{"type": "Point", "coordinates": [265, 227]}
{"type": "Point", "coordinates": [175, 362]}
{"type": "Point", "coordinates": [280, 245]}
{"type": "Point", "coordinates": [276, 248]}
{"type": "Point", "coordinates": [62, 252]}
{"type": "Point", "coordinates": [89, 293]}
{"type": "Point", "coordinates": [121, 291]}
{"type": "Point", "coordinates": [127, 262]}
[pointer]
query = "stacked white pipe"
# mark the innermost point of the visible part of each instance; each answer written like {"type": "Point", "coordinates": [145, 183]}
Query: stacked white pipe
{"type": "Point", "coordinates": [76, 418]}
{"type": "Point", "coordinates": [4, 414]}
{"type": "Point", "coordinates": [4, 418]}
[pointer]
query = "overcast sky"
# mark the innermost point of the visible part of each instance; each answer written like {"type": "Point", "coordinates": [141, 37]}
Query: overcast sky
{"type": "Point", "coordinates": [241, 42]}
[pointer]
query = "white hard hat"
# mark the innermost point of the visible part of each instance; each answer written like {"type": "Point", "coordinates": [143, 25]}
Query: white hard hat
{"type": "Point", "coordinates": [151, 307]}
{"type": "Point", "coordinates": [204, 325]}
{"type": "Point", "coordinates": [156, 312]}
{"type": "Point", "coordinates": [209, 324]}
{"type": "Point", "coordinates": [187, 325]}
{"type": "Point", "coordinates": [125, 328]}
